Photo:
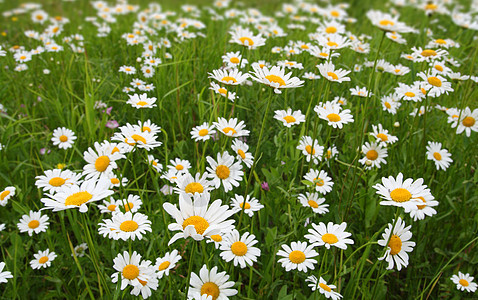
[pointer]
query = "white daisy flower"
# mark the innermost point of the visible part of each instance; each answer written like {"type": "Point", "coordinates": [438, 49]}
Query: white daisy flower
{"type": "Point", "coordinates": [311, 149]}
{"type": "Point", "coordinates": [233, 59]}
{"type": "Point", "coordinates": [148, 71]}
{"type": "Point", "coordinates": [100, 161]}
{"type": "Point", "coordinates": [109, 206]}
{"type": "Point", "coordinates": [396, 37]}
{"type": "Point", "coordinates": [133, 135]}
{"type": "Point", "coordinates": [327, 70]}
{"type": "Point", "coordinates": [250, 206]}
{"type": "Point", "coordinates": [330, 235]}
{"type": "Point", "coordinates": [246, 38]}
{"type": "Point", "coordinates": [323, 286]}
{"type": "Point", "coordinates": [6, 194]}
{"type": "Point", "coordinates": [223, 91]}
{"type": "Point", "coordinates": [231, 127]}
{"type": "Point", "coordinates": [63, 138]}
{"type": "Point", "coordinates": [130, 269]}
{"type": "Point", "coordinates": [224, 170]}
{"type": "Point", "coordinates": [298, 256]}
{"type": "Point", "coordinates": [166, 263]}
{"type": "Point", "coordinates": [229, 77]}
{"type": "Point", "coordinates": [322, 182]}
{"type": "Point", "coordinates": [375, 154]}
{"type": "Point", "coordinates": [127, 226]}
{"type": "Point", "coordinates": [202, 132]}
{"type": "Point", "coordinates": [435, 84]}
{"type": "Point", "coordinates": [441, 157]}
{"type": "Point", "coordinates": [275, 78]}
{"type": "Point", "coordinates": [389, 104]}
{"type": "Point", "coordinates": [313, 201]}
{"type": "Point", "coordinates": [141, 101]}
{"type": "Point", "coordinates": [334, 115]}
{"type": "Point", "coordinates": [387, 22]}
{"type": "Point", "coordinates": [398, 244]}
{"type": "Point", "coordinates": [211, 284]}
{"type": "Point", "coordinates": [188, 184]}
{"type": "Point", "coordinates": [240, 249]}
{"type": "Point", "coordinates": [149, 126]}
{"type": "Point", "coordinates": [34, 222]}
{"type": "Point", "coordinates": [361, 92]}
{"type": "Point", "coordinates": [127, 69]}
{"type": "Point", "coordinates": [289, 118]}
{"type": "Point", "coordinates": [241, 149]}
{"type": "Point", "coordinates": [155, 163]}
{"type": "Point", "coordinates": [54, 180]}
{"type": "Point", "coordinates": [467, 122]}
{"type": "Point", "coordinates": [382, 135]}
{"type": "Point", "coordinates": [464, 282]}
{"type": "Point", "coordinates": [80, 250]}
{"type": "Point", "coordinates": [4, 275]}
{"type": "Point", "coordinates": [42, 259]}
{"type": "Point", "coordinates": [424, 209]}
{"type": "Point", "coordinates": [180, 165]}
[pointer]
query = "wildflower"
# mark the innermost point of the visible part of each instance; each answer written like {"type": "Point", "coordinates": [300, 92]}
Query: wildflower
{"type": "Point", "coordinates": [4, 275]}
{"type": "Point", "coordinates": [80, 250]}
{"type": "Point", "coordinates": [298, 256]}
{"type": "Point", "coordinates": [324, 287]}
{"type": "Point", "coordinates": [401, 193]}
{"type": "Point", "coordinates": [42, 259]}
{"type": "Point", "coordinates": [311, 149]}
{"type": "Point", "coordinates": [330, 235]}
{"type": "Point", "coordinates": [34, 222]}
{"type": "Point", "coordinates": [212, 284]}
{"type": "Point", "coordinates": [240, 249]}
{"type": "Point", "coordinates": [374, 155]}
{"type": "Point", "coordinates": [6, 194]}
{"type": "Point", "coordinates": [289, 118]}
{"type": "Point", "coordinates": [63, 138]}
{"type": "Point", "coordinates": [275, 78]}
{"type": "Point", "coordinates": [327, 70]}
{"type": "Point", "coordinates": [313, 201]}
{"type": "Point", "coordinates": [166, 263]}
{"type": "Point", "coordinates": [202, 132]}
{"type": "Point", "coordinates": [320, 179]}
{"type": "Point", "coordinates": [464, 282]}
{"type": "Point", "coordinates": [250, 205]}
{"type": "Point", "coordinates": [441, 157]}
{"type": "Point", "coordinates": [398, 245]}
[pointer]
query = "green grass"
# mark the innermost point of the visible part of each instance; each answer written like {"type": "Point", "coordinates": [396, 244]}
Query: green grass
{"type": "Point", "coordinates": [68, 94]}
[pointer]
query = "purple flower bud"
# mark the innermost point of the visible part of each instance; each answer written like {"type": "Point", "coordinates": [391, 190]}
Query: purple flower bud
{"type": "Point", "coordinates": [109, 109]}
{"type": "Point", "coordinates": [44, 151]}
{"type": "Point", "coordinates": [265, 186]}
{"type": "Point", "coordinates": [112, 124]}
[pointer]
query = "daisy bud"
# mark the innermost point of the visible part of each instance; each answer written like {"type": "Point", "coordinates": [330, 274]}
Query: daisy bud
{"type": "Point", "coordinates": [396, 124]}
{"type": "Point", "coordinates": [368, 162]}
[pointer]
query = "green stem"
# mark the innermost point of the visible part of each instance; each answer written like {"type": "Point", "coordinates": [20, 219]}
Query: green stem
{"type": "Point", "coordinates": [189, 269]}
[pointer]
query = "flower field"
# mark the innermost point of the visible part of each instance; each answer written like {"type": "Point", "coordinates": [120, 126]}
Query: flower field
{"type": "Point", "coordinates": [238, 150]}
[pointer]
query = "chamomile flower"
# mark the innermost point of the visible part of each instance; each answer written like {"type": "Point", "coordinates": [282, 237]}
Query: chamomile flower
{"type": "Point", "coordinates": [180, 165]}
{"type": "Point", "coordinates": [63, 138]}
{"type": "Point", "coordinates": [409, 92]}
{"type": "Point", "coordinates": [132, 136]}
{"type": "Point", "coordinates": [127, 69]}
{"type": "Point", "coordinates": [311, 149]}
{"type": "Point", "coordinates": [382, 135]}
{"type": "Point", "coordinates": [387, 22]}
{"type": "Point", "coordinates": [212, 284]}
{"type": "Point", "coordinates": [80, 250]}
{"type": "Point", "coordinates": [322, 52]}
{"type": "Point", "coordinates": [196, 219]}
{"type": "Point", "coordinates": [229, 77]}
{"type": "Point", "coordinates": [298, 256]}
{"type": "Point", "coordinates": [401, 193]}
{"type": "Point", "coordinates": [109, 206]}
{"type": "Point", "coordinates": [324, 287]}
{"type": "Point", "coordinates": [6, 194]}
{"type": "Point", "coordinates": [467, 122]}
{"type": "Point", "coordinates": [127, 226]}
{"type": "Point", "coordinates": [330, 235]}
{"type": "Point", "coordinates": [130, 269]}
{"type": "Point", "coordinates": [224, 171]}
{"type": "Point", "coordinates": [321, 181]}
{"type": "Point", "coordinates": [374, 155]}
{"type": "Point", "coordinates": [250, 205]}
{"type": "Point", "coordinates": [34, 222]}
{"type": "Point", "coordinates": [231, 127]}
{"type": "Point", "coordinates": [233, 59]}
{"type": "Point", "coordinates": [166, 263]}
{"type": "Point", "coordinates": [328, 71]}
{"type": "Point", "coordinates": [399, 244]}
{"type": "Point", "coordinates": [276, 78]}
{"type": "Point", "coordinates": [188, 184]}
{"type": "Point", "coordinates": [425, 208]}
{"type": "Point", "coordinates": [361, 92]}
{"type": "Point", "coordinates": [331, 153]}
{"type": "Point", "coordinates": [4, 275]}
{"type": "Point", "coordinates": [141, 101]}
{"type": "Point", "coordinates": [77, 196]}
{"type": "Point", "coordinates": [396, 37]}
{"type": "Point", "coordinates": [428, 55]}
{"type": "Point", "coordinates": [53, 180]}
{"type": "Point", "coordinates": [202, 132]}
{"type": "Point", "coordinates": [42, 259]}
{"type": "Point", "coordinates": [241, 149]}
{"type": "Point", "coordinates": [223, 91]}
{"type": "Point", "coordinates": [22, 56]}
{"type": "Point", "coordinates": [289, 118]}
{"type": "Point", "coordinates": [132, 203]}
{"type": "Point", "coordinates": [334, 114]}
{"type": "Point", "coordinates": [100, 161]}
{"type": "Point", "coordinates": [389, 104]}
{"type": "Point", "coordinates": [240, 249]}
{"type": "Point", "coordinates": [435, 84]}
{"type": "Point", "coordinates": [464, 282]}
{"type": "Point", "coordinates": [148, 71]}
{"type": "Point", "coordinates": [313, 201]}
{"type": "Point", "coordinates": [146, 285]}
{"type": "Point", "coordinates": [441, 157]}
{"type": "Point", "coordinates": [246, 38]}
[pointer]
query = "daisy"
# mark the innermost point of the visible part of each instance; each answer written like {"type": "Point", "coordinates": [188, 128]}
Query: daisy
{"type": "Point", "coordinates": [250, 205]}
{"type": "Point", "coordinates": [435, 84]}
{"type": "Point", "coordinates": [399, 70]}
{"type": "Point", "coordinates": [132, 136]}
{"type": "Point", "coordinates": [54, 180]}
{"type": "Point", "coordinates": [22, 56]}
{"type": "Point", "coordinates": [148, 71]}
{"type": "Point", "coordinates": [127, 69]}
{"type": "Point", "coordinates": [382, 135]}
{"type": "Point", "coordinates": [330, 235]}
{"type": "Point", "coordinates": [331, 152]}
{"type": "Point", "coordinates": [396, 37]}
{"type": "Point", "coordinates": [101, 161]}
{"type": "Point", "coordinates": [132, 204]}
{"type": "Point", "coordinates": [290, 64]}
{"type": "Point", "coordinates": [233, 59]}
{"type": "Point", "coordinates": [467, 122]}
{"type": "Point", "coordinates": [188, 184]}
{"type": "Point", "coordinates": [387, 22]}
{"type": "Point", "coordinates": [146, 286]}
{"type": "Point", "coordinates": [311, 149]}
{"type": "Point", "coordinates": [77, 196]}
{"type": "Point", "coordinates": [109, 206]}
{"type": "Point", "coordinates": [375, 155]}
{"type": "Point", "coordinates": [224, 171]}
{"type": "Point", "coordinates": [323, 183]}
{"type": "Point", "coordinates": [398, 244]}
{"type": "Point", "coordinates": [334, 114]}
{"type": "Point", "coordinates": [243, 155]}
{"type": "Point", "coordinates": [327, 70]}
{"type": "Point", "coordinates": [289, 118]}
{"type": "Point", "coordinates": [231, 127]}
{"type": "Point", "coordinates": [166, 263]}
{"type": "Point", "coordinates": [464, 282]}
{"type": "Point", "coordinates": [63, 138]}
{"type": "Point", "coordinates": [313, 201]}
{"type": "Point", "coordinates": [211, 284]}
{"type": "Point", "coordinates": [127, 226]}
{"type": "Point", "coordinates": [389, 104]}
{"type": "Point", "coordinates": [229, 77]}
{"type": "Point", "coordinates": [330, 26]}
{"type": "Point", "coordinates": [246, 38]}
{"type": "Point", "coordinates": [310, 76]}
{"type": "Point", "coordinates": [4, 275]}
{"type": "Point", "coordinates": [6, 194]}
{"type": "Point", "coordinates": [223, 91]}
{"type": "Point", "coordinates": [42, 259]}
{"type": "Point", "coordinates": [133, 271]}
{"type": "Point", "coordinates": [409, 92]}
{"type": "Point", "coordinates": [324, 287]}
{"type": "Point", "coordinates": [275, 78]}
{"type": "Point", "coordinates": [202, 132]}
{"type": "Point", "coordinates": [298, 256]}
{"type": "Point", "coordinates": [440, 67]}
{"type": "Point", "coordinates": [240, 249]}
{"type": "Point", "coordinates": [425, 208]}
{"type": "Point", "coordinates": [141, 101]}
{"type": "Point", "coordinates": [332, 41]}
{"type": "Point", "coordinates": [197, 219]}
{"type": "Point", "coordinates": [34, 222]}
{"type": "Point", "coordinates": [361, 92]}
{"type": "Point", "coordinates": [441, 157]}
{"type": "Point", "coordinates": [428, 55]}
{"type": "Point", "coordinates": [180, 165]}
{"type": "Point", "coordinates": [80, 250]}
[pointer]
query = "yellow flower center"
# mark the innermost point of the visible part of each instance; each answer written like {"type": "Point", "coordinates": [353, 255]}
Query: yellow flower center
{"type": "Point", "coordinates": [410, 94]}
{"type": "Point", "coordinates": [435, 81]}
{"type": "Point", "coordinates": [33, 224]}
{"type": "Point", "coordinates": [310, 150]}
{"type": "Point", "coordinates": [319, 181]}
{"type": "Point", "coordinates": [129, 226]}
{"type": "Point", "coordinates": [63, 138]}
{"type": "Point", "coordinates": [372, 154]}
{"type": "Point", "coordinates": [431, 6]}
{"type": "Point", "coordinates": [199, 223]}
{"type": "Point", "coordinates": [235, 60]}
{"type": "Point", "coordinates": [400, 195]}
{"type": "Point", "coordinates": [332, 44]}
{"type": "Point", "coordinates": [468, 121]}
{"type": "Point", "coordinates": [56, 181]}
{"type": "Point", "coordinates": [102, 163]}
{"type": "Point", "coordinates": [331, 29]}
{"type": "Point", "coordinates": [223, 172]}
{"type": "Point", "coordinates": [164, 265]}
{"type": "Point", "coordinates": [330, 238]}
{"type": "Point", "coordinates": [43, 259]}
{"type": "Point", "coordinates": [440, 41]}
{"type": "Point", "coordinates": [297, 257]}
{"type": "Point", "coordinates": [422, 206]}
{"type": "Point", "coordinates": [39, 17]}
{"type": "Point", "coordinates": [383, 137]}
{"type": "Point", "coordinates": [386, 23]}
{"type": "Point", "coordinates": [335, 13]}
{"type": "Point", "coordinates": [304, 46]}
{"type": "Point", "coordinates": [388, 105]}
{"type": "Point", "coordinates": [222, 91]}
{"type": "Point", "coordinates": [245, 206]}
{"type": "Point", "coordinates": [210, 289]}
{"type": "Point", "coordinates": [229, 129]}
{"type": "Point", "coordinates": [325, 287]}
{"type": "Point", "coordinates": [127, 69]}
{"type": "Point", "coordinates": [239, 248]}
{"type": "Point", "coordinates": [194, 187]}
{"type": "Point", "coordinates": [428, 53]}
{"type": "Point", "coordinates": [179, 167]}
{"type": "Point", "coordinates": [142, 282]}
{"type": "Point", "coordinates": [137, 137]}
{"type": "Point", "coordinates": [395, 245]}
{"type": "Point", "coordinates": [463, 282]}
{"type": "Point", "coordinates": [276, 79]}
{"type": "Point", "coordinates": [243, 40]}
{"type": "Point", "coordinates": [203, 132]}
{"type": "Point", "coordinates": [78, 198]}
{"type": "Point", "coordinates": [333, 75]}
{"type": "Point", "coordinates": [289, 119]}
{"type": "Point", "coordinates": [111, 207]}
{"type": "Point", "coordinates": [130, 272]}
{"type": "Point", "coordinates": [115, 149]}
{"type": "Point", "coordinates": [142, 103]}
{"type": "Point", "coordinates": [128, 206]}
{"type": "Point", "coordinates": [333, 117]}
{"type": "Point", "coordinates": [216, 237]}
{"type": "Point", "coordinates": [228, 79]}
{"type": "Point", "coordinates": [313, 204]}
{"type": "Point", "coordinates": [115, 181]}
{"type": "Point", "coordinates": [241, 153]}
{"type": "Point", "coordinates": [323, 54]}
{"type": "Point", "coordinates": [439, 68]}
{"type": "Point", "coordinates": [437, 156]}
